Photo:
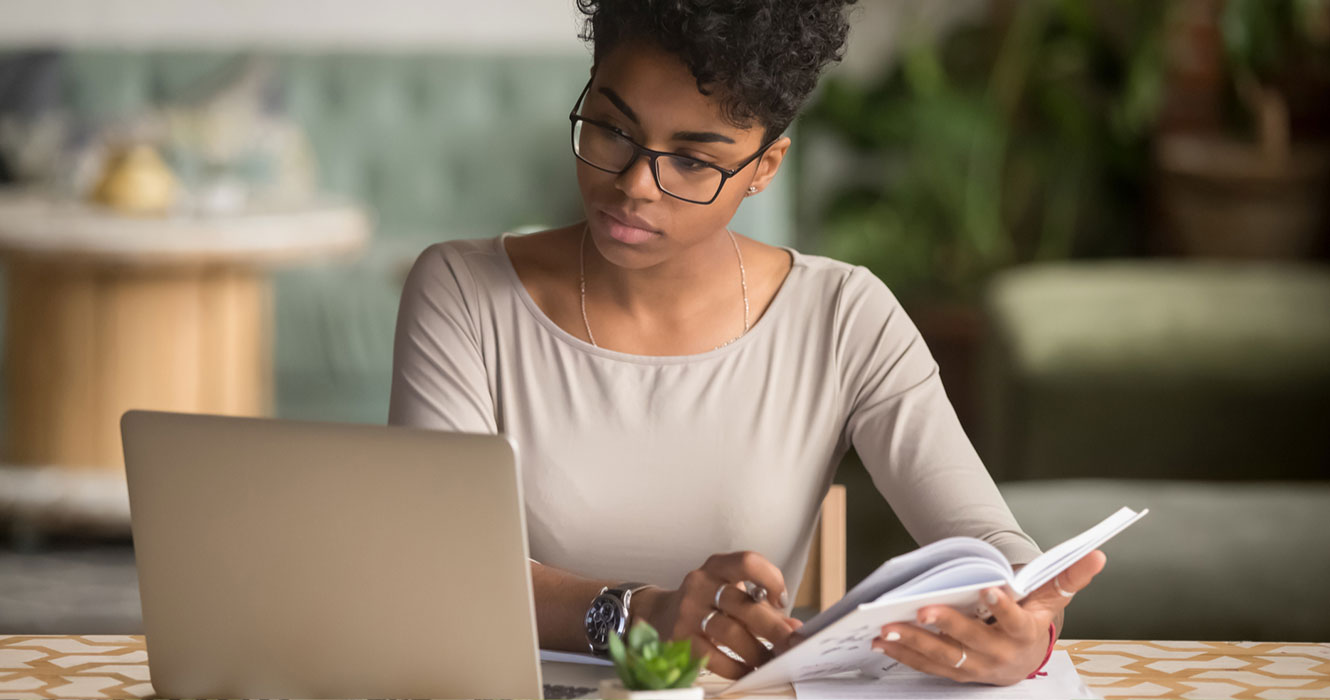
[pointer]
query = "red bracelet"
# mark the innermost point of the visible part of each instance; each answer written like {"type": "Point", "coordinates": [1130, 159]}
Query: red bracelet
{"type": "Point", "coordinates": [1052, 632]}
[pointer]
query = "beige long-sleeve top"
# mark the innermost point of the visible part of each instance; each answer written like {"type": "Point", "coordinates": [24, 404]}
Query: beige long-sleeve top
{"type": "Point", "coordinates": [637, 468]}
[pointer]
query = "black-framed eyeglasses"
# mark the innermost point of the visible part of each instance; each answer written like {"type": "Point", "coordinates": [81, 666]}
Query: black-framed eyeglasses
{"type": "Point", "coordinates": [605, 147]}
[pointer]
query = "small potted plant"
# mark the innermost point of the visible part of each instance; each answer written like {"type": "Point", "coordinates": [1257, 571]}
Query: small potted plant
{"type": "Point", "coordinates": [650, 668]}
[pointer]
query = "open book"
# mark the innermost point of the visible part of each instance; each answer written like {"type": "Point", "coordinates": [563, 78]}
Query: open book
{"type": "Point", "coordinates": [948, 572]}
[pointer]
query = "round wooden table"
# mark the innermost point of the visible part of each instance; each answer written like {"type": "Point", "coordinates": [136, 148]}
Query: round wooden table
{"type": "Point", "coordinates": [107, 312]}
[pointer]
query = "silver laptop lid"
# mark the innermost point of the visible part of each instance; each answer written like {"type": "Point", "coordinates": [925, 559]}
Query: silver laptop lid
{"type": "Point", "coordinates": [317, 560]}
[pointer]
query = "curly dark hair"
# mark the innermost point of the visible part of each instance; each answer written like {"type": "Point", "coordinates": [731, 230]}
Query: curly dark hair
{"type": "Point", "coordinates": [762, 57]}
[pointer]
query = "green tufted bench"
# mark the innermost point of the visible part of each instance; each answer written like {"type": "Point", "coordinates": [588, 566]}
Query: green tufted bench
{"type": "Point", "coordinates": [438, 145]}
{"type": "Point", "coordinates": [1222, 561]}
{"type": "Point", "coordinates": [1198, 390]}
{"type": "Point", "coordinates": [1159, 369]}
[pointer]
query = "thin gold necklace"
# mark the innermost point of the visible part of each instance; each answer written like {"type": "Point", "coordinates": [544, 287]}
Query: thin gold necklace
{"type": "Point", "coordinates": [581, 274]}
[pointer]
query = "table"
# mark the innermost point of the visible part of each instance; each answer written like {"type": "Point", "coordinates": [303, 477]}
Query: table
{"type": "Point", "coordinates": [117, 667]}
{"type": "Point", "coordinates": [108, 312]}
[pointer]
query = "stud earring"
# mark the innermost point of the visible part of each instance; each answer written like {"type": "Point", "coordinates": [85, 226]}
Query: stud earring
{"type": "Point", "coordinates": [752, 190]}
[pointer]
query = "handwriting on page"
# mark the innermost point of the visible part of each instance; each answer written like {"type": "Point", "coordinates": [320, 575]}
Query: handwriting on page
{"type": "Point", "coordinates": [844, 650]}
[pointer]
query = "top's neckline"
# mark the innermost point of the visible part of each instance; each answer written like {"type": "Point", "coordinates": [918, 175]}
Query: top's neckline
{"type": "Point", "coordinates": [757, 328]}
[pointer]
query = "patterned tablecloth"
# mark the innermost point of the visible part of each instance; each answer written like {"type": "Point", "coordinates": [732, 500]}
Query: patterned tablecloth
{"type": "Point", "coordinates": [117, 667]}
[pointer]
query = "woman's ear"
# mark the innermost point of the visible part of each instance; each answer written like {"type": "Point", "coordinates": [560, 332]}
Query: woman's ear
{"type": "Point", "coordinates": [769, 163]}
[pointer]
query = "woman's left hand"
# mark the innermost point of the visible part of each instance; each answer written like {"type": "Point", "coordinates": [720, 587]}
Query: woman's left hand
{"type": "Point", "coordinates": [1002, 653]}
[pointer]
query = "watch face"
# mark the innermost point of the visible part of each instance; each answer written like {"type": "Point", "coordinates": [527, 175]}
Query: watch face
{"type": "Point", "coordinates": [605, 617]}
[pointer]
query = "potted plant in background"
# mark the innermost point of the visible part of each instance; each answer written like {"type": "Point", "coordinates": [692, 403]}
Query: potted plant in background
{"type": "Point", "coordinates": [651, 668]}
{"type": "Point", "coordinates": [1018, 136]}
{"type": "Point", "coordinates": [1245, 163]}
{"type": "Point", "coordinates": [1021, 132]}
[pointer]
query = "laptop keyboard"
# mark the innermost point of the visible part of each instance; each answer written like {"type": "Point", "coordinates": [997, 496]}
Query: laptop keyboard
{"type": "Point", "coordinates": [561, 692]}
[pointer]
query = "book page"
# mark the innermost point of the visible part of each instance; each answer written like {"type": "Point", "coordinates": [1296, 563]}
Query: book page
{"type": "Point", "coordinates": [900, 681]}
{"type": "Point", "coordinates": [966, 571]}
{"type": "Point", "coordinates": [900, 570]}
{"type": "Point", "coordinates": [1056, 560]}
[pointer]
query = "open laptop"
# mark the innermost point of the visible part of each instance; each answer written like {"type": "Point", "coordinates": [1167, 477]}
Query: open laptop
{"type": "Point", "coordinates": [319, 560]}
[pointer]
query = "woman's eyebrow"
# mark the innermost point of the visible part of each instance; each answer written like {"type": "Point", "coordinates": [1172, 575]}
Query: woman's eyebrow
{"type": "Point", "coordinates": [695, 136]}
{"type": "Point", "coordinates": [701, 137]}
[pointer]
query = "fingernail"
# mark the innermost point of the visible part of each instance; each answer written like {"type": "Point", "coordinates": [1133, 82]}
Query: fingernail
{"type": "Point", "coordinates": [930, 618]}
{"type": "Point", "coordinates": [893, 637]}
{"type": "Point", "coordinates": [991, 597]}
{"type": "Point", "coordinates": [785, 599]}
{"type": "Point", "coordinates": [880, 650]}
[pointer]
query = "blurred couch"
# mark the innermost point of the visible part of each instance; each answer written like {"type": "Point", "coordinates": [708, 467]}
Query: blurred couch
{"type": "Point", "coordinates": [437, 145]}
{"type": "Point", "coordinates": [1159, 369]}
{"type": "Point", "coordinates": [1200, 390]}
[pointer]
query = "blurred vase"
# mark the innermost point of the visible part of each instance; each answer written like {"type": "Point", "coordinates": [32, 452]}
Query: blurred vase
{"type": "Point", "coordinates": [136, 181]}
{"type": "Point", "coordinates": [1251, 184]}
{"type": "Point", "coordinates": [1225, 198]}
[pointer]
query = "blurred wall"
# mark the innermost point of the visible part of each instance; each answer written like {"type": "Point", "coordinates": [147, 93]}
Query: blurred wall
{"type": "Point", "coordinates": [538, 26]}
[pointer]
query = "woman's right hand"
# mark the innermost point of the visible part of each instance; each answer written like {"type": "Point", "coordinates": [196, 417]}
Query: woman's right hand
{"type": "Point", "coordinates": [739, 622]}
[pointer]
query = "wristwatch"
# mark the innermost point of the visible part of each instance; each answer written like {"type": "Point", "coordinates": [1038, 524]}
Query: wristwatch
{"type": "Point", "coordinates": [608, 615]}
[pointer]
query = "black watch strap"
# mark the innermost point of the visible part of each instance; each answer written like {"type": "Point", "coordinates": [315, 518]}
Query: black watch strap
{"type": "Point", "coordinates": [627, 592]}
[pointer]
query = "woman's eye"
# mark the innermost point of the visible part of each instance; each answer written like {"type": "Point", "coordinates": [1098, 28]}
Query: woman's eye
{"type": "Point", "coordinates": [618, 132]}
{"type": "Point", "coordinates": [607, 125]}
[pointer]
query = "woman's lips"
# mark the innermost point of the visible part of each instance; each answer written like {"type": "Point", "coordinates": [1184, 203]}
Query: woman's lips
{"type": "Point", "coordinates": [624, 233]}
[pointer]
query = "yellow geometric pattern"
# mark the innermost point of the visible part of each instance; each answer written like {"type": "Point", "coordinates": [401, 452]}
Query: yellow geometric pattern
{"type": "Point", "coordinates": [1165, 669]}
{"type": "Point", "coordinates": [99, 666]}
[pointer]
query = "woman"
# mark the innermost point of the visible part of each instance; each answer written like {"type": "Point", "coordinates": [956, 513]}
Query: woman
{"type": "Point", "coordinates": [682, 394]}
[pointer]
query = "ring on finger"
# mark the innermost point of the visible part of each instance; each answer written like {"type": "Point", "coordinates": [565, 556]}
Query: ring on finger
{"type": "Point", "coordinates": [719, 591]}
{"type": "Point", "coordinates": [964, 656]}
{"type": "Point", "coordinates": [1061, 592]}
{"type": "Point", "coordinates": [707, 619]}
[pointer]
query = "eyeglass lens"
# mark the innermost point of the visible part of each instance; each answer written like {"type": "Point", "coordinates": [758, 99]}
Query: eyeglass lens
{"type": "Point", "coordinates": [611, 151]}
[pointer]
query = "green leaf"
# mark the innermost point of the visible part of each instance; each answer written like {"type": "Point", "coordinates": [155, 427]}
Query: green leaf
{"type": "Point", "coordinates": [679, 652]}
{"type": "Point", "coordinates": [641, 634]}
{"type": "Point", "coordinates": [620, 657]}
{"type": "Point", "coordinates": [634, 681]}
{"type": "Point", "coordinates": [649, 679]}
{"type": "Point", "coordinates": [661, 667]}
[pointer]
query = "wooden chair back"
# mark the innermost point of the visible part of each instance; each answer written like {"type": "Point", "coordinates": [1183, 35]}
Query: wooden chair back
{"type": "Point", "coordinates": [824, 575]}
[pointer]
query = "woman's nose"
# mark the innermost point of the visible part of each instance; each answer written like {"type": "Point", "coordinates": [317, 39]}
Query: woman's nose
{"type": "Point", "coordinates": [637, 182]}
